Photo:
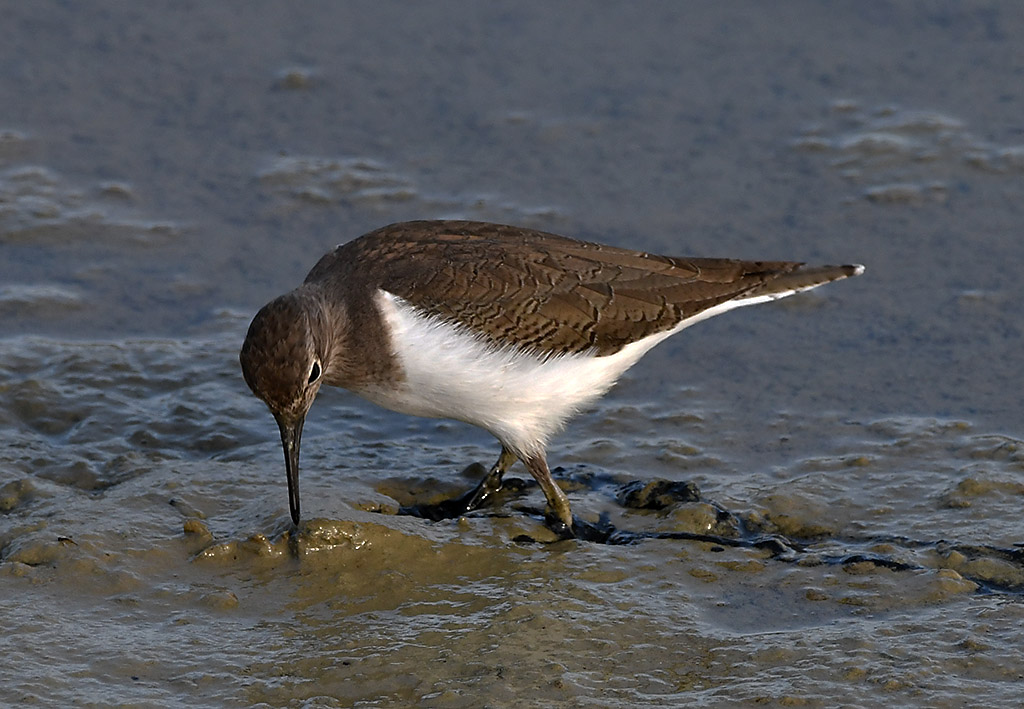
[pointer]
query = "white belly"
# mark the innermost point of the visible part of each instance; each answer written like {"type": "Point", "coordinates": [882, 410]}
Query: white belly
{"type": "Point", "coordinates": [448, 372]}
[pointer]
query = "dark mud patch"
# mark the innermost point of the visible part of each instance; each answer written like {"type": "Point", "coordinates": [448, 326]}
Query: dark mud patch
{"type": "Point", "coordinates": [674, 504]}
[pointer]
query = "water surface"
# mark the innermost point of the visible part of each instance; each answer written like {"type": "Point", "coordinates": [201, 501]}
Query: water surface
{"type": "Point", "coordinates": [856, 453]}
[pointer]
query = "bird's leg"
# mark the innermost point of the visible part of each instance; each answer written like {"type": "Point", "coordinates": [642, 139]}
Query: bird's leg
{"type": "Point", "coordinates": [474, 499]}
{"type": "Point", "coordinates": [491, 483]}
{"type": "Point", "coordinates": [558, 513]}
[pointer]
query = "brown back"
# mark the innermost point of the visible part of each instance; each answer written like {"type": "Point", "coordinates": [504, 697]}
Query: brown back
{"type": "Point", "coordinates": [543, 292]}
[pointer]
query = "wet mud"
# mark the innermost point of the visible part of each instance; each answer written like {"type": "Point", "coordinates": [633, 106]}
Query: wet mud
{"type": "Point", "coordinates": [808, 503]}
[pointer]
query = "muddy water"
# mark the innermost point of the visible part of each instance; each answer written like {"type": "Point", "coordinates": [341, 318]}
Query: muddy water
{"type": "Point", "coordinates": [815, 503]}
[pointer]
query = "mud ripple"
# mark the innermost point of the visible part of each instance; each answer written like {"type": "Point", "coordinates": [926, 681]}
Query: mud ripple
{"type": "Point", "coordinates": [897, 155]}
{"type": "Point", "coordinates": [37, 205]}
{"type": "Point", "coordinates": [309, 180]}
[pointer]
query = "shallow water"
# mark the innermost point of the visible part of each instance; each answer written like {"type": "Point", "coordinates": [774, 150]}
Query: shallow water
{"type": "Point", "coordinates": [856, 453]}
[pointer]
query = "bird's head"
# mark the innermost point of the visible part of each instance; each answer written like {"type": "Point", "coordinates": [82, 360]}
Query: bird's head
{"type": "Point", "coordinates": [283, 361]}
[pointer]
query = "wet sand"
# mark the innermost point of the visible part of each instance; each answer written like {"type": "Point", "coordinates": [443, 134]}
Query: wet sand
{"type": "Point", "coordinates": [814, 503]}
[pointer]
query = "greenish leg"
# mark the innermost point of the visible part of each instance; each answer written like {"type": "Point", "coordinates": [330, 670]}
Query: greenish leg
{"type": "Point", "coordinates": [558, 512]}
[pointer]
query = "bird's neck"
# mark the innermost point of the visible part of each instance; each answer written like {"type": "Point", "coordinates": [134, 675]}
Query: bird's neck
{"type": "Point", "coordinates": [349, 326]}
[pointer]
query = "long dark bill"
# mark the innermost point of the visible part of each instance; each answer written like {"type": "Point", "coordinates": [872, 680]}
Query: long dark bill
{"type": "Point", "coordinates": [291, 433]}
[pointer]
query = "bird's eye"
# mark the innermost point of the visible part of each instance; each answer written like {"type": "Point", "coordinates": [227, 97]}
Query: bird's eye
{"type": "Point", "coordinates": [314, 372]}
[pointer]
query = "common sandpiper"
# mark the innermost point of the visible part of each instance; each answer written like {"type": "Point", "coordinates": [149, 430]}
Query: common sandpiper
{"type": "Point", "coordinates": [506, 328]}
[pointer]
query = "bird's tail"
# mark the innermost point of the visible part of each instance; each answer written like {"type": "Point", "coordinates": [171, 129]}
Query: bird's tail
{"type": "Point", "coordinates": [801, 279]}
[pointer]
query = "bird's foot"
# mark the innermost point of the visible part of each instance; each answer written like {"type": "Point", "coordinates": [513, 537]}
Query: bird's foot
{"type": "Point", "coordinates": [476, 498]}
{"type": "Point", "coordinates": [601, 532]}
{"type": "Point", "coordinates": [559, 527]}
